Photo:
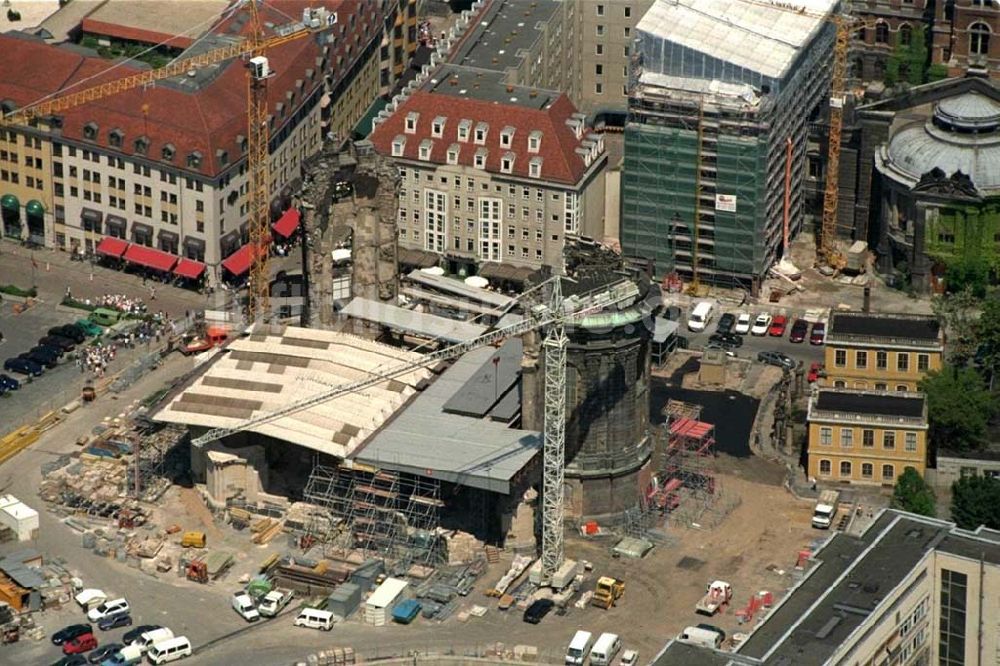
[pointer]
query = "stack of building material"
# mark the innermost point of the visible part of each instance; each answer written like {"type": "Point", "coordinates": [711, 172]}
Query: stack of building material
{"type": "Point", "coordinates": [517, 567]}
{"type": "Point", "coordinates": [462, 547]}
{"type": "Point", "coordinates": [309, 580]}
{"type": "Point", "coordinates": [378, 608]}
{"type": "Point", "coordinates": [265, 529]}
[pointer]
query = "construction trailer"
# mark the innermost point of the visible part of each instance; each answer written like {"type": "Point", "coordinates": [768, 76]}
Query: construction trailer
{"type": "Point", "coordinates": [718, 88]}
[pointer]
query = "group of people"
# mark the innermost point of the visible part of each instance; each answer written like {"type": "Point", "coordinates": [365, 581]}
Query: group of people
{"type": "Point", "coordinates": [122, 303]}
{"type": "Point", "coordinates": [96, 358]}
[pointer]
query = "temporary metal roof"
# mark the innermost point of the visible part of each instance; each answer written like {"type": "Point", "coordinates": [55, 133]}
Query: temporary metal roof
{"type": "Point", "coordinates": [490, 386]}
{"type": "Point", "coordinates": [419, 323]}
{"type": "Point", "coordinates": [664, 328]}
{"type": "Point", "coordinates": [276, 367]}
{"type": "Point", "coordinates": [460, 289]}
{"type": "Point", "coordinates": [750, 35]}
{"type": "Point", "coordinates": [427, 441]}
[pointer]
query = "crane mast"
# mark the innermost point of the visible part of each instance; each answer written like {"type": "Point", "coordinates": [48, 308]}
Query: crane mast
{"type": "Point", "coordinates": [554, 445]}
{"type": "Point", "coordinates": [258, 174]}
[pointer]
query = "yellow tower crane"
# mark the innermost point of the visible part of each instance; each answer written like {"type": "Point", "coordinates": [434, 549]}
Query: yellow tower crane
{"type": "Point", "coordinates": [253, 49]}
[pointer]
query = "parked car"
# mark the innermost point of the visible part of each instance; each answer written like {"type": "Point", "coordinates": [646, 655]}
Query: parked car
{"type": "Point", "coordinates": [104, 652]}
{"type": "Point", "coordinates": [629, 658]}
{"type": "Point", "coordinates": [673, 313]}
{"type": "Point", "coordinates": [41, 358]}
{"type": "Point", "coordinates": [65, 344]}
{"type": "Point", "coordinates": [743, 323]}
{"type": "Point", "coordinates": [243, 605]}
{"type": "Point", "coordinates": [72, 660]}
{"type": "Point", "coordinates": [56, 354]}
{"type": "Point", "coordinates": [80, 644]}
{"type": "Point", "coordinates": [818, 334]}
{"type": "Point", "coordinates": [799, 331]}
{"type": "Point", "coordinates": [8, 383]}
{"type": "Point", "coordinates": [815, 370]}
{"type": "Point", "coordinates": [23, 366]}
{"type": "Point", "coordinates": [69, 332]}
{"type": "Point", "coordinates": [724, 348]}
{"type": "Point", "coordinates": [777, 327]}
{"type": "Point", "coordinates": [55, 349]}
{"type": "Point", "coordinates": [70, 632]}
{"type": "Point", "coordinates": [534, 613]}
{"type": "Point", "coordinates": [114, 621]}
{"type": "Point", "coordinates": [776, 358]}
{"type": "Point", "coordinates": [89, 327]}
{"type": "Point", "coordinates": [726, 323]}
{"type": "Point", "coordinates": [729, 340]}
{"type": "Point", "coordinates": [761, 324]}
{"type": "Point", "coordinates": [108, 608]}
{"type": "Point", "coordinates": [134, 634]}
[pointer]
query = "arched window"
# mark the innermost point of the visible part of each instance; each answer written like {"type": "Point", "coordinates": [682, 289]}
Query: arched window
{"type": "Point", "coordinates": [905, 34]}
{"type": "Point", "coordinates": [979, 39]}
{"type": "Point", "coordinates": [881, 33]}
{"type": "Point", "coordinates": [824, 467]}
{"type": "Point", "coordinates": [888, 472]}
{"type": "Point", "coordinates": [845, 469]}
{"type": "Point", "coordinates": [867, 470]}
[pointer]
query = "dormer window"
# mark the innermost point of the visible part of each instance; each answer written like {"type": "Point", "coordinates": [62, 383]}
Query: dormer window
{"type": "Point", "coordinates": [141, 145]}
{"type": "Point", "coordinates": [411, 122]}
{"type": "Point", "coordinates": [90, 131]}
{"type": "Point", "coordinates": [535, 167]}
{"type": "Point", "coordinates": [398, 145]}
{"type": "Point", "coordinates": [464, 128]}
{"type": "Point", "coordinates": [481, 158]}
{"type": "Point", "coordinates": [453, 151]}
{"type": "Point", "coordinates": [168, 152]}
{"type": "Point", "coordinates": [116, 137]}
{"type": "Point", "coordinates": [506, 137]}
{"type": "Point", "coordinates": [222, 157]}
{"type": "Point", "coordinates": [507, 163]}
{"type": "Point", "coordinates": [425, 149]}
{"type": "Point", "coordinates": [241, 141]}
{"type": "Point", "coordinates": [194, 160]}
{"type": "Point", "coordinates": [437, 127]}
{"type": "Point", "coordinates": [534, 141]}
{"type": "Point", "coordinates": [481, 131]}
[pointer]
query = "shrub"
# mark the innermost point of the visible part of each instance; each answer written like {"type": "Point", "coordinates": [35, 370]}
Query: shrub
{"type": "Point", "coordinates": [14, 290]}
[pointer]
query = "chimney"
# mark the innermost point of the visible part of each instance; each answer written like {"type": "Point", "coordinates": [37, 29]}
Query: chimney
{"type": "Point", "coordinates": [867, 307]}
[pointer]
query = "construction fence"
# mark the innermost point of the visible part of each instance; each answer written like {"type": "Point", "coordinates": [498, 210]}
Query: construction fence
{"type": "Point", "coordinates": [436, 652]}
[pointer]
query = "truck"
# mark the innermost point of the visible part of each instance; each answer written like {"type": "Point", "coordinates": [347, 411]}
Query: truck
{"type": "Point", "coordinates": [607, 591]}
{"type": "Point", "coordinates": [826, 509]}
{"type": "Point", "coordinates": [718, 595]}
{"type": "Point", "coordinates": [274, 601]}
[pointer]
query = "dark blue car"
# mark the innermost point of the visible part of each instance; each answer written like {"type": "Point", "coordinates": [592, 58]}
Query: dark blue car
{"type": "Point", "coordinates": [8, 383]}
{"type": "Point", "coordinates": [23, 366]}
{"type": "Point", "coordinates": [114, 621]}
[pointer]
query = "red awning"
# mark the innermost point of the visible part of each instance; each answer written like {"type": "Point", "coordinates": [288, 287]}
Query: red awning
{"type": "Point", "coordinates": [238, 262]}
{"type": "Point", "coordinates": [288, 223]}
{"type": "Point", "coordinates": [111, 247]}
{"type": "Point", "coordinates": [150, 257]}
{"type": "Point", "coordinates": [189, 268]}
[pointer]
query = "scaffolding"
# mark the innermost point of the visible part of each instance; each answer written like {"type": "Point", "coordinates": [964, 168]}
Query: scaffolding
{"type": "Point", "coordinates": [379, 513]}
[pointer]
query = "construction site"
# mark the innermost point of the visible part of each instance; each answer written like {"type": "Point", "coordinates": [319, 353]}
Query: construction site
{"type": "Point", "coordinates": [722, 97]}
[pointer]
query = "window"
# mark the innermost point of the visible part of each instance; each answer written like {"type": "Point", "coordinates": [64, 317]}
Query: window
{"type": "Point", "coordinates": [881, 387]}
{"type": "Point", "coordinates": [437, 128]}
{"type": "Point", "coordinates": [888, 472]}
{"type": "Point", "coordinates": [507, 163]}
{"type": "Point", "coordinates": [628, 12]}
{"type": "Point", "coordinates": [881, 360]}
{"type": "Point", "coordinates": [398, 146]}
{"type": "Point", "coordinates": [905, 34]}
{"type": "Point", "coordinates": [902, 361]}
{"type": "Point", "coordinates": [535, 167]}
{"type": "Point", "coordinates": [845, 469]}
{"type": "Point", "coordinates": [868, 438]}
{"type": "Point", "coordinates": [600, 10]}
{"type": "Point", "coordinates": [867, 470]}
{"type": "Point", "coordinates": [840, 358]}
{"type": "Point", "coordinates": [954, 594]}
{"type": "Point", "coordinates": [411, 122]}
{"type": "Point", "coordinates": [910, 441]}
{"type": "Point", "coordinates": [481, 130]}
{"type": "Point", "coordinates": [979, 42]}
{"type": "Point", "coordinates": [463, 130]}
{"type": "Point", "coordinates": [881, 33]}
{"type": "Point", "coordinates": [599, 49]}
{"type": "Point", "coordinates": [861, 360]}
{"type": "Point", "coordinates": [902, 387]}
{"type": "Point", "coordinates": [598, 88]}
{"type": "Point", "coordinates": [600, 30]}
{"type": "Point", "coordinates": [825, 467]}
{"type": "Point", "coordinates": [923, 362]}
{"type": "Point", "coordinates": [847, 437]}
{"type": "Point", "coordinates": [889, 439]}
{"type": "Point", "coordinates": [424, 150]}
{"type": "Point", "coordinates": [506, 137]}
{"type": "Point", "coordinates": [480, 160]}
{"type": "Point", "coordinates": [826, 436]}
{"type": "Point", "coordinates": [599, 69]}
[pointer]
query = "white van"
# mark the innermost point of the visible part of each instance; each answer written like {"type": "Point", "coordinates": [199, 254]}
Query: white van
{"type": "Point", "coordinates": [130, 654]}
{"type": "Point", "coordinates": [171, 649]}
{"type": "Point", "coordinates": [576, 653]}
{"type": "Point", "coordinates": [700, 316]}
{"type": "Point", "coordinates": [605, 649]}
{"type": "Point", "coordinates": [313, 618]}
{"type": "Point", "coordinates": [703, 636]}
{"type": "Point", "coordinates": [148, 638]}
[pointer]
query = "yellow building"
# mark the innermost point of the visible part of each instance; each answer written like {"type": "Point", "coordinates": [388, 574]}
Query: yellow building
{"type": "Point", "coordinates": [866, 437]}
{"type": "Point", "coordinates": [882, 352]}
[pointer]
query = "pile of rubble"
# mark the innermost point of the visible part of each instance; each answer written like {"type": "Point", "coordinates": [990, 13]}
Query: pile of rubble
{"type": "Point", "coordinates": [462, 547]}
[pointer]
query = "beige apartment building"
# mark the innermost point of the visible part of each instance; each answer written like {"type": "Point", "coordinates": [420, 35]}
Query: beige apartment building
{"type": "Point", "coordinates": [491, 173]}
{"type": "Point", "coordinates": [165, 167]}
{"type": "Point", "coordinates": [903, 591]}
{"type": "Point", "coordinates": [606, 35]}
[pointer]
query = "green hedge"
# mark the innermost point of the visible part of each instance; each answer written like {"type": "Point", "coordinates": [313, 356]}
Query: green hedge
{"type": "Point", "coordinates": [14, 290]}
{"type": "Point", "coordinates": [80, 305]}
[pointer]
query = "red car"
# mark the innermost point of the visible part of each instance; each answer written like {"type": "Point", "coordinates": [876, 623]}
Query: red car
{"type": "Point", "coordinates": [799, 330]}
{"type": "Point", "coordinates": [80, 644]}
{"type": "Point", "coordinates": [778, 324]}
{"type": "Point", "coordinates": [818, 335]}
{"type": "Point", "coordinates": [814, 371]}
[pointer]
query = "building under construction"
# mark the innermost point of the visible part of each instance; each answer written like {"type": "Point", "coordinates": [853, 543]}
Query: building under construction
{"type": "Point", "coordinates": [722, 92]}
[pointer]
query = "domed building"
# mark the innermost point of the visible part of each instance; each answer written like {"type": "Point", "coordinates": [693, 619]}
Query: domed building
{"type": "Point", "coordinates": [936, 199]}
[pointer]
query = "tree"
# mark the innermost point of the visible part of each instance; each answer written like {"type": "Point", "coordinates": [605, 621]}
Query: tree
{"type": "Point", "coordinates": [913, 494]}
{"type": "Point", "coordinates": [988, 337]}
{"type": "Point", "coordinates": [957, 314]}
{"type": "Point", "coordinates": [975, 501]}
{"type": "Point", "coordinates": [959, 407]}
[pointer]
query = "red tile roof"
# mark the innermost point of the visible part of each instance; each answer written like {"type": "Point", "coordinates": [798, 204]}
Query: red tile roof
{"type": "Point", "coordinates": [560, 162]}
{"type": "Point", "coordinates": [207, 120]}
{"type": "Point", "coordinates": [130, 33]}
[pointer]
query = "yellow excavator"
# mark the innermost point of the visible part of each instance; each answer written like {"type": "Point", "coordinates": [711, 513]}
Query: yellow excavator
{"type": "Point", "coordinates": [607, 592]}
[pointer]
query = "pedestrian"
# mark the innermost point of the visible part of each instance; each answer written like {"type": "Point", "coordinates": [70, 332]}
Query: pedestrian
{"type": "Point", "coordinates": [812, 480]}
{"type": "Point", "coordinates": [69, 294]}
{"type": "Point", "coordinates": [152, 293]}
